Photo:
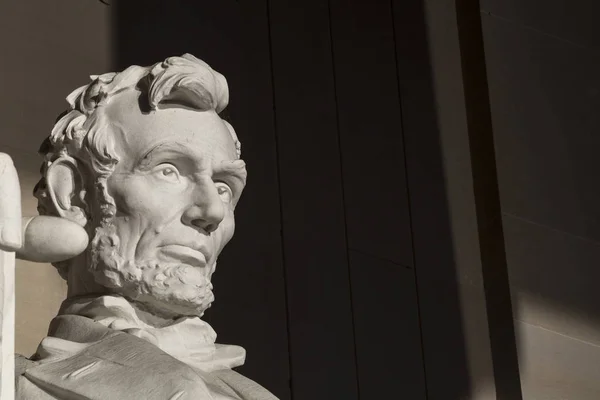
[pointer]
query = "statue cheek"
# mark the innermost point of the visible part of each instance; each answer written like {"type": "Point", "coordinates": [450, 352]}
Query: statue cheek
{"type": "Point", "coordinates": [227, 229]}
{"type": "Point", "coordinates": [132, 193]}
{"type": "Point", "coordinates": [142, 204]}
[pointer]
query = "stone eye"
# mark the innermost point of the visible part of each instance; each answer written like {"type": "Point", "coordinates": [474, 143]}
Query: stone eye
{"type": "Point", "coordinates": [168, 172]}
{"type": "Point", "coordinates": [224, 191]}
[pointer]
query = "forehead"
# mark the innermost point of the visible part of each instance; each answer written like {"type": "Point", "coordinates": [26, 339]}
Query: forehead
{"type": "Point", "coordinates": [135, 132]}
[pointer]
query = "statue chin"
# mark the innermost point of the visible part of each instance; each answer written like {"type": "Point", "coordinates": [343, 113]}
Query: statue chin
{"type": "Point", "coordinates": [167, 290]}
{"type": "Point", "coordinates": [170, 307]}
{"type": "Point", "coordinates": [169, 303]}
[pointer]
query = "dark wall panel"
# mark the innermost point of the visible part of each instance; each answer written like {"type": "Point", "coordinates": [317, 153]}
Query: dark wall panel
{"type": "Point", "coordinates": [446, 370]}
{"type": "Point", "coordinates": [320, 311]}
{"type": "Point", "coordinates": [371, 129]}
{"type": "Point", "coordinates": [233, 37]}
{"type": "Point", "coordinates": [388, 341]}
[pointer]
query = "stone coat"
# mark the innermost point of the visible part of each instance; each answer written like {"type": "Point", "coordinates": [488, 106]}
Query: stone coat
{"type": "Point", "coordinates": [115, 365]}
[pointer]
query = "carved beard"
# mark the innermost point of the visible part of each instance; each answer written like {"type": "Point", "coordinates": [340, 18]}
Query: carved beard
{"type": "Point", "coordinates": [165, 289]}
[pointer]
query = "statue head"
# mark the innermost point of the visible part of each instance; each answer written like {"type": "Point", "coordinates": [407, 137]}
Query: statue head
{"type": "Point", "coordinates": [143, 161]}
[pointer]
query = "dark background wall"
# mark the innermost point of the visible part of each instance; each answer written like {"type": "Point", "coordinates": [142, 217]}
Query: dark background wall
{"type": "Point", "coordinates": [543, 60]}
{"type": "Point", "coordinates": [318, 284]}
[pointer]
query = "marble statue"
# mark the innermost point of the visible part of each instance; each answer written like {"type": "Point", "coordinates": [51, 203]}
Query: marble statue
{"type": "Point", "coordinates": [144, 175]}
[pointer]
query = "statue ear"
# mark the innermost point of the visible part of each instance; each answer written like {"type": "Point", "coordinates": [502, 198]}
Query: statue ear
{"type": "Point", "coordinates": [66, 190]}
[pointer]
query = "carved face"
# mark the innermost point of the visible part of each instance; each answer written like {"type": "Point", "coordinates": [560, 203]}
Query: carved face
{"type": "Point", "coordinates": [175, 188]}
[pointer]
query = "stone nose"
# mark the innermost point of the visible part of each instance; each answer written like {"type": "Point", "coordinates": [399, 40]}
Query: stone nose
{"type": "Point", "coordinates": [206, 210]}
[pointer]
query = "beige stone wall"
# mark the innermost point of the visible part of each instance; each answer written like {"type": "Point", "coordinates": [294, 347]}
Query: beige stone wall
{"type": "Point", "coordinates": [47, 49]}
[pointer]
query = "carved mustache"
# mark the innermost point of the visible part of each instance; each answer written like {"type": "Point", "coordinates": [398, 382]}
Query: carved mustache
{"type": "Point", "coordinates": [191, 253]}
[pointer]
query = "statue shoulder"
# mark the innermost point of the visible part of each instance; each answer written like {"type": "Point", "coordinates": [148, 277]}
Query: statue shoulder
{"type": "Point", "coordinates": [116, 365]}
{"type": "Point", "coordinates": [24, 388]}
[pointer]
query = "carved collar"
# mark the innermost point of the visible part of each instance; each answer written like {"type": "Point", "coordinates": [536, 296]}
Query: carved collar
{"type": "Point", "coordinates": [190, 340]}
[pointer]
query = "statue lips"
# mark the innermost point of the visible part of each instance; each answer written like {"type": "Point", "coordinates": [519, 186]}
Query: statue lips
{"type": "Point", "coordinates": [185, 254]}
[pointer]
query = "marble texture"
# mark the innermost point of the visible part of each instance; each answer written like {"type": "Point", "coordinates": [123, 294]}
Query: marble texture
{"type": "Point", "coordinates": [10, 241]}
{"type": "Point", "coordinates": [140, 180]}
{"type": "Point", "coordinates": [7, 338]}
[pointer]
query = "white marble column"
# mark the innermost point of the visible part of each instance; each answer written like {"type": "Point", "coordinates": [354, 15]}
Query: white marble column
{"type": "Point", "coordinates": [10, 240]}
{"type": "Point", "coordinates": [7, 338]}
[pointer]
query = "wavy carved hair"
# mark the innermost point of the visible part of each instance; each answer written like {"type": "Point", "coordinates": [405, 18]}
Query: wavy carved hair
{"type": "Point", "coordinates": [82, 132]}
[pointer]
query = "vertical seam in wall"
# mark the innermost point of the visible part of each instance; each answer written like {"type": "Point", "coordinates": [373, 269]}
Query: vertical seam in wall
{"type": "Point", "coordinates": [484, 173]}
{"type": "Point", "coordinates": [406, 177]}
{"type": "Point", "coordinates": [278, 169]}
{"type": "Point", "coordinates": [339, 138]}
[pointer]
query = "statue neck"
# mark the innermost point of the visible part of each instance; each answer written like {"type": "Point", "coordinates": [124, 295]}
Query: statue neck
{"type": "Point", "coordinates": [80, 281]}
{"type": "Point", "coordinates": [188, 339]}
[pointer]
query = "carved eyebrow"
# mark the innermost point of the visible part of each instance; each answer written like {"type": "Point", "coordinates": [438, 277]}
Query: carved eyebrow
{"type": "Point", "coordinates": [168, 147]}
{"type": "Point", "coordinates": [234, 168]}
